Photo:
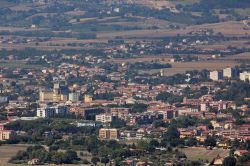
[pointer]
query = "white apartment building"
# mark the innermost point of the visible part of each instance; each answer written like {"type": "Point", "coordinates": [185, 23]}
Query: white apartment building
{"type": "Point", "coordinates": [48, 112]}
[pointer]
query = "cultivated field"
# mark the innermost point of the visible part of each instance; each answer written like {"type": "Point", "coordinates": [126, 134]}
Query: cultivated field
{"type": "Point", "coordinates": [7, 151]}
{"type": "Point", "coordinates": [182, 67]}
{"type": "Point", "coordinates": [18, 64]}
{"type": "Point", "coordinates": [161, 59]}
{"type": "Point", "coordinates": [234, 28]}
{"type": "Point", "coordinates": [243, 56]}
{"type": "Point", "coordinates": [200, 153]}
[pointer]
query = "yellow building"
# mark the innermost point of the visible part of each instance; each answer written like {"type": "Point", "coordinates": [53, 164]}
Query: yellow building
{"type": "Point", "coordinates": [46, 95]}
{"type": "Point", "coordinates": [88, 99]}
{"type": "Point", "coordinates": [110, 134]}
{"type": "Point", "coordinates": [6, 134]}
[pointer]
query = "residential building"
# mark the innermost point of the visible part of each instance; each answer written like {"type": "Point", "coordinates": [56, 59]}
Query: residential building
{"type": "Point", "coordinates": [245, 76]}
{"type": "Point", "coordinates": [216, 75]}
{"type": "Point", "coordinates": [121, 113]}
{"type": "Point", "coordinates": [104, 118]}
{"type": "Point", "coordinates": [46, 96]}
{"type": "Point", "coordinates": [228, 72]}
{"type": "Point", "coordinates": [5, 134]}
{"type": "Point", "coordinates": [74, 97]}
{"type": "Point", "coordinates": [109, 134]}
{"type": "Point", "coordinates": [48, 112]}
{"type": "Point", "coordinates": [168, 114]}
{"type": "Point", "coordinates": [88, 99]}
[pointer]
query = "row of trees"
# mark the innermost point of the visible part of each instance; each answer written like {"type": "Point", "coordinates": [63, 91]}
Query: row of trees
{"type": "Point", "coordinates": [43, 156]}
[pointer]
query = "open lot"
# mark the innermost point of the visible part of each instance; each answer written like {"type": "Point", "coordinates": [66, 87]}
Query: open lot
{"type": "Point", "coordinates": [200, 153]}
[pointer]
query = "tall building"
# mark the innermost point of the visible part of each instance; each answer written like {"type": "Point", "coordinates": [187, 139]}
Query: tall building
{"type": "Point", "coordinates": [74, 97]}
{"type": "Point", "coordinates": [109, 134]}
{"type": "Point", "coordinates": [49, 112]}
{"type": "Point", "coordinates": [245, 76]}
{"type": "Point", "coordinates": [216, 75]}
{"type": "Point", "coordinates": [228, 72]}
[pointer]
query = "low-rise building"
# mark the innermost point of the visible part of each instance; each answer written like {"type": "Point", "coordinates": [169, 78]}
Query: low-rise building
{"type": "Point", "coordinates": [104, 118]}
{"type": "Point", "coordinates": [5, 134]}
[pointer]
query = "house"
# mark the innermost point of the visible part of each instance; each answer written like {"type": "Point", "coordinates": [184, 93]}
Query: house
{"type": "Point", "coordinates": [218, 160]}
{"type": "Point", "coordinates": [34, 161]}
{"type": "Point", "coordinates": [241, 152]}
{"type": "Point", "coordinates": [5, 134]}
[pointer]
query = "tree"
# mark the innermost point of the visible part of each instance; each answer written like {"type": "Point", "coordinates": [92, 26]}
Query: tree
{"type": "Point", "coordinates": [172, 136]}
{"type": "Point", "coordinates": [159, 123]}
{"type": "Point", "coordinates": [105, 160]}
{"type": "Point", "coordinates": [70, 156]}
{"type": "Point", "coordinates": [118, 123]}
{"type": "Point", "coordinates": [139, 108]}
{"type": "Point", "coordinates": [95, 160]}
{"type": "Point", "coordinates": [168, 97]}
{"type": "Point", "coordinates": [191, 141]}
{"type": "Point", "coordinates": [210, 141]}
{"type": "Point", "coordinates": [229, 161]}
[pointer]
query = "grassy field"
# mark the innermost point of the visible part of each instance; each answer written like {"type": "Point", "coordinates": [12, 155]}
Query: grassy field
{"type": "Point", "coordinates": [200, 153]}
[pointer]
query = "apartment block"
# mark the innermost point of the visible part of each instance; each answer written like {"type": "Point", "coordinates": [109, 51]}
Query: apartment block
{"type": "Point", "coordinates": [48, 112]}
{"type": "Point", "coordinates": [216, 75]}
{"type": "Point", "coordinates": [109, 134]}
{"type": "Point", "coordinates": [244, 76]}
